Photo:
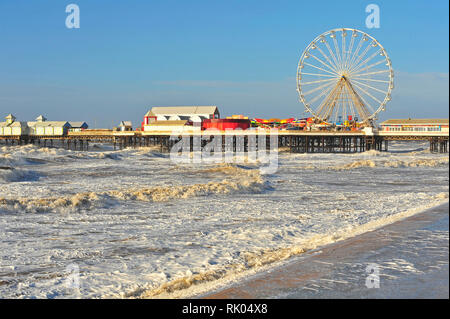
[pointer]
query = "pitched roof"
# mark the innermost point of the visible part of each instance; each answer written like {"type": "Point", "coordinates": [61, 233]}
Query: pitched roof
{"type": "Point", "coordinates": [169, 110]}
{"type": "Point", "coordinates": [49, 123]}
{"type": "Point", "coordinates": [41, 118]}
{"type": "Point", "coordinates": [125, 123]}
{"type": "Point", "coordinates": [16, 124]}
{"type": "Point", "coordinates": [415, 122]}
{"type": "Point", "coordinates": [197, 118]}
{"type": "Point", "coordinates": [179, 117]}
{"type": "Point", "coordinates": [168, 123]}
{"type": "Point", "coordinates": [77, 124]}
{"type": "Point", "coordinates": [13, 124]}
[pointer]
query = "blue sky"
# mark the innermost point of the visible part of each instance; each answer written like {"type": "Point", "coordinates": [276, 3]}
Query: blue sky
{"type": "Point", "coordinates": [239, 55]}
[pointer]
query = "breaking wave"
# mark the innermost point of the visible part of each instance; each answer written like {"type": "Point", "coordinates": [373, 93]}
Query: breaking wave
{"type": "Point", "coordinates": [11, 174]}
{"type": "Point", "coordinates": [248, 262]}
{"type": "Point", "coordinates": [393, 163]}
{"type": "Point", "coordinates": [355, 164]}
{"type": "Point", "coordinates": [418, 163]}
{"type": "Point", "coordinates": [31, 154]}
{"type": "Point", "coordinates": [228, 169]}
{"type": "Point", "coordinates": [247, 181]}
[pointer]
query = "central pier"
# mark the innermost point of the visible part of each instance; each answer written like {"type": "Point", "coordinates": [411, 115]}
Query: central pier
{"type": "Point", "coordinates": [295, 141]}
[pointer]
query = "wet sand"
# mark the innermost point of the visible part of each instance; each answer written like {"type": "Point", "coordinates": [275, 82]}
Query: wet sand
{"type": "Point", "coordinates": [412, 257]}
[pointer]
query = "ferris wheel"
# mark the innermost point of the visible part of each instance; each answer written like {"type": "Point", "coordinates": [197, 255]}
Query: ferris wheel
{"type": "Point", "coordinates": [345, 74]}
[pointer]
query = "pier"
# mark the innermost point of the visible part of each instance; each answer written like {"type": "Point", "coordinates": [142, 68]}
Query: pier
{"type": "Point", "coordinates": [295, 141]}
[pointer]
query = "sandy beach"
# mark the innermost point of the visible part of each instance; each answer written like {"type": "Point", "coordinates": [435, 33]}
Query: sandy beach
{"type": "Point", "coordinates": [412, 255]}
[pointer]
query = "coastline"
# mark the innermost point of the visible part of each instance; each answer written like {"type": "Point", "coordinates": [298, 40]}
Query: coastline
{"type": "Point", "coordinates": [412, 254]}
{"type": "Point", "coordinates": [250, 232]}
{"type": "Point", "coordinates": [216, 288]}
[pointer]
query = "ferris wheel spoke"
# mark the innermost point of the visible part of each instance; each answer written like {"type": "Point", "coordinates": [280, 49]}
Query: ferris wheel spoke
{"type": "Point", "coordinates": [355, 54]}
{"type": "Point", "coordinates": [325, 92]}
{"type": "Point", "coordinates": [331, 52]}
{"type": "Point", "coordinates": [345, 103]}
{"type": "Point", "coordinates": [370, 87]}
{"type": "Point", "coordinates": [374, 80]}
{"type": "Point", "coordinates": [328, 66]}
{"type": "Point", "coordinates": [329, 92]}
{"type": "Point", "coordinates": [367, 93]}
{"type": "Point", "coordinates": [351, 103]}
{"type": "Point", "coordinates": [317, 74]}
{"type": "Point", "coordinates": [360, 103]}
{"type": "Point", "coordinates": [318, 81]}
{"type": "Point", "coordinates": [363, 112]}
{"type": "Point", "coordinates": [324, 114]}
{"type": "Point", "coordinates": [324, 109]}
{"type": "Point", "coordinates": [338, 54]}
{"type": "Point", "coordinates": [368, 105]}
{"type": "Point", "coordinates": [336, 111]}
{"type": "Point", "coordinates": [332, 104]}
{"type": "Point", "coordinates": [350, 48]}
{"type": "Point", "coordinates": [364, 107]}
{"type": "Point", "coordinates": [366, 60]}
{"type": "Point", "coordinates": [327, 58]}
{"type": "Point", "coordinates": [357, 75]}
{"type": "Point", "coordinates": [356, 62]}
{"type": "Point", "coordinates": [356, 67]}
{"type": "Point", "coordinates": [343, 35]}
{"type": "Point", "coordinates": [350, 98]}
{"type": "Point", "coordinates": [318, 88]}
{"type": "Point", "coordinates": [319, 68]}
{"type": "Point", "coordinates": [368, 67]}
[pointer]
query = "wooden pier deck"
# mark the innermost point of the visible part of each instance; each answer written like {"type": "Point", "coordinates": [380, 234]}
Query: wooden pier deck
{"type": "Point", "coordinates": [296, 141]}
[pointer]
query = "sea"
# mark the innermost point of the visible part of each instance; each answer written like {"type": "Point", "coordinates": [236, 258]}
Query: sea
{"type": "Point", "coordinates": [134, 223]}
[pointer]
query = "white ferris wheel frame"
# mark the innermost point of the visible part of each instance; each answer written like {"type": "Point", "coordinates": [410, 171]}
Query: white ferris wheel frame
{"type": "Point", "coordinates": [335, 68]}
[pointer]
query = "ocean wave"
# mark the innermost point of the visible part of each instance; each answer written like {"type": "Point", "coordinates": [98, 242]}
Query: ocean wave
{"type": "Point", "coordinates": [247, 181]}
{"type": "Point", "coordinates": [429, 162]}
{"type": "Point", "coordinates": [376, 153]}
{"type": "Point", "coordinates": [355, 164]}
{"type": "Point", "coordinates": [418, 163]}
{"type": "Point", "coordinates": [190, 284]}
{"type": "Point", "coordinates": [246, 261]}
{"type": "Point", "coordinates": [11, 174]}
{"type": "Point", "coordinates": [441, 196]}
{"type": "Point", "coordinates": [228, 169]}
{"type": "Point", "coordinates": [372, 153]}
{"type": "Point", "coordinates": [31, 154]}
{"type": "Point", "coordinates": [99, 155]}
